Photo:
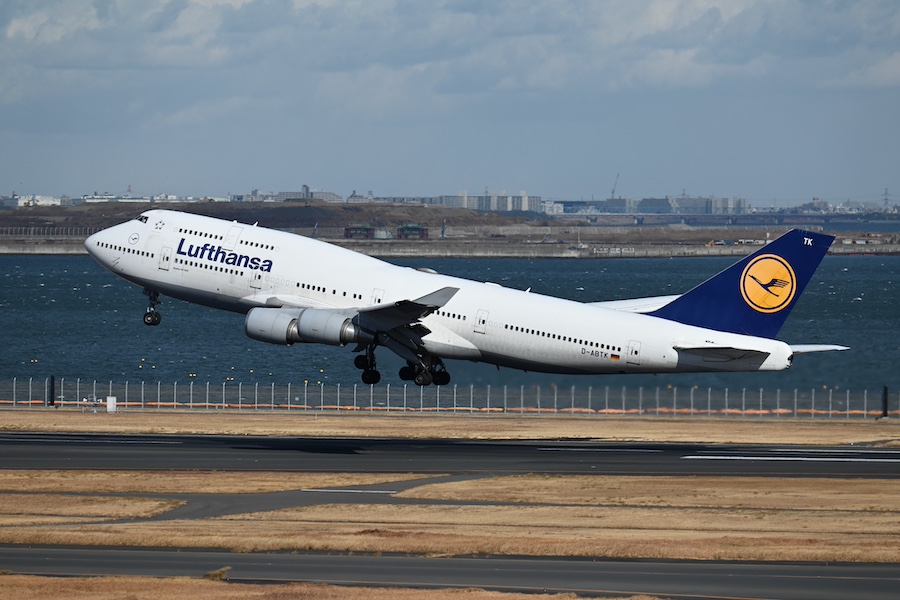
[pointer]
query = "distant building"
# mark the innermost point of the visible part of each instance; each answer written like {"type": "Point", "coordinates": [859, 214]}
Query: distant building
{"type": "Point", "coordinates": [592, 207]}
{"type": "Point", "coordinates": [501, 202]}
{"type": "Point", "coordinates": [729, 206]}
{"type": "Point", "coordinates": [359, 232]}
{"type": "Point", "coordinates": [355, 198]}
{"type": "Point", "coordinates": [304, 194]}
{"type": "Point", "coordinates": [36, 200]}
{"type": "Point", "coordinates": [655, 206]}
{"type": "Point", "coordinates": [668, 205]}
{"type": "Point", "coordinates": [412, 231]}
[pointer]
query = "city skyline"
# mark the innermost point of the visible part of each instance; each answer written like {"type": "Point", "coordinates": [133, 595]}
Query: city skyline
{"type": "Point", "coordinates": [497, 201]}
{"type": "Point", "coordinates": [775, 102]}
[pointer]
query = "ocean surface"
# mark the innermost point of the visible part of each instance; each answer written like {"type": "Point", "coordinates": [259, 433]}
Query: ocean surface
{"type": "Point", "coordinates": [68, 317]}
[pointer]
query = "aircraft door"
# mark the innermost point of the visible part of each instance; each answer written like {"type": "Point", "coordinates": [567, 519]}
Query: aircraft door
{"type": "Point", "coordinates": [377, 296]}
{"type": "Point", "coordinates": [256, 280]}
{"type": "Point", "coordinates": [231, 239]}
{"type": "Point", "coordinates": [481, 319]}
{"type": "Point", "coordinates": [634, 352]}
{"type": "Point", "coordinates": [165, 259]}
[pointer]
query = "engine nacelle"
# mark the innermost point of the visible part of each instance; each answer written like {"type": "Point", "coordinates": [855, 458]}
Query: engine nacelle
{"type": "Point", "coordinates": [286, 326]}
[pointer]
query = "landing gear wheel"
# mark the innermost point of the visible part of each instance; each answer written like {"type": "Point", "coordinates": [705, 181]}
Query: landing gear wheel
{"type": "Point", "coordinates": [423, 378]}
{"type": "Point", "coordinates": [407, 373]}
{"type": "Point", "coordinates": [439, 374]}
{"type": "Point", "coordinates": [361, 362]}
{"type": "Point", "coordinates": [152, 318]}
{"type": "Point", "coordinates": [371, 377]}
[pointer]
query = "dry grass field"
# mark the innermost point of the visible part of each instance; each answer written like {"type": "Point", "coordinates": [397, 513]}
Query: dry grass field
{"type": "Point", "coordinates": [182, 482]}
{"type": "Point", "coordinates": [730, 430]}
{"type": "Point", "coordinates": [743, 518]}
{"type": "Point", "coordinates": [22, 587]}
{"type": "Point", "coordinates": [736, 518]}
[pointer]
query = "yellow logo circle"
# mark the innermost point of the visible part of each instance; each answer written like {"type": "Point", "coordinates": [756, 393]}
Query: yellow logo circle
{"type": "Point", "coordinates": [768, 283]}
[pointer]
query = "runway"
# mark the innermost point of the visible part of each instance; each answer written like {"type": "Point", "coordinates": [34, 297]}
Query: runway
{"type": "Point", "coordinates": [446, 460]}
{"type": "Point", "coordinates": [365, 455]}
{"type": "Point", "coordinates": [670, 579]}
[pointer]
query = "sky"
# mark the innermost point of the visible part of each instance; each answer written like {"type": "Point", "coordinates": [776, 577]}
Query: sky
{"type": "Point", "coordinates": [772, 101]}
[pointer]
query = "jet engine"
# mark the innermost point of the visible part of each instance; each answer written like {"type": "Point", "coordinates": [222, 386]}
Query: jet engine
{"type": "Point", "coordinates": [286, 326]}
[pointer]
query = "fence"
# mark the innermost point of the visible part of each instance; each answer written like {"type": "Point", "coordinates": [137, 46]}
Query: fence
{"type": "Point", "coordinates": [591, 400]}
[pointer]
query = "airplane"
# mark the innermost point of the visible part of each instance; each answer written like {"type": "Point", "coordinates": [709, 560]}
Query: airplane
{"type": "Point", "coordinates": [295, 289]}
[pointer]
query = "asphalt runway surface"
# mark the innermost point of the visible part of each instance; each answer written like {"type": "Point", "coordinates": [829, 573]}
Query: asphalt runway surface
{"type": "Point", "coordinates": [447, 460]}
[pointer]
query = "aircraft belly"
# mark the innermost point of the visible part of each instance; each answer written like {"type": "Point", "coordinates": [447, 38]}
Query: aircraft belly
{"type": "Point", "coordinates": [190, 293]}
{"type": "Point", "coordinates": [535, 365]}
{"type": "Point", "coordinates": [444, 342]}
{"type": "Point", "coordinates": [448, 349]}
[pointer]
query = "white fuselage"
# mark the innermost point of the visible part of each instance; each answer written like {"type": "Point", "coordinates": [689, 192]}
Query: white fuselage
{"type": "Point", "coordinates": [237, 267]}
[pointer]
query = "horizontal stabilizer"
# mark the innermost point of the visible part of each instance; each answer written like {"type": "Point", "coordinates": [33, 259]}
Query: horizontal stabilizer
{"type": "Point", "coordinates": [807, 348]}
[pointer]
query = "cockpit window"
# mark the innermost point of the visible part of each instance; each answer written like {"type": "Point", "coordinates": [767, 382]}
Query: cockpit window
{"type": "Point", "coordinates": [142, 218]}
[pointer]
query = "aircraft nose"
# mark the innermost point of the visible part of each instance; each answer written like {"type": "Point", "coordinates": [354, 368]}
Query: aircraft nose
{"type": "Point", "coordinates": [90, 244]}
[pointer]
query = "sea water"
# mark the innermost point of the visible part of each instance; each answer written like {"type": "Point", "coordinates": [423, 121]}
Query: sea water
{"type": "Point", "coordinates": [68, 317]}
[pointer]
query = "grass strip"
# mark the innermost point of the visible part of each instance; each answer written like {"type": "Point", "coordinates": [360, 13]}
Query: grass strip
{"type": "Point", "coordinates": [737, 518]}
{"type": "Point", "coordinates": [25, 587]}
{"type": "Point", "coordinates": [726, 430]}
{"type": "Point", "coordinates": [183, 482]}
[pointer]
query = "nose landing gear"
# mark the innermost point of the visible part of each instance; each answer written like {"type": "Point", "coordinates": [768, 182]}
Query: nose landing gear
{"type": "Point", "coordinates": [151, 317]}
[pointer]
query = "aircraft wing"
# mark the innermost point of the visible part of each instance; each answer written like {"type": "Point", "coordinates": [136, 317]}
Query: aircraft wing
{"type": "Point", "coordinates": [405, 312]}
{"type": "Point", "coordinates": [379, 317]}
{"type": "Point", "coordinates": [637, 305]}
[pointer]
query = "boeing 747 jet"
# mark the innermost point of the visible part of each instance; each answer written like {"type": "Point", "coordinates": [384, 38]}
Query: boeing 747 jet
{"type": "Point", "coordinates": [295, 289]}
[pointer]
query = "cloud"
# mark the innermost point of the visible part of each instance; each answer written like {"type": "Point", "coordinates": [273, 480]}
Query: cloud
{"type": "Point", "coordinates": [460, 68]}
{"type": "Point", "coordinates": [462, 47]}
{"type": "Point", "coordinates": [883, 73]}
{"type": "Point", "coordinates": [207, 111]}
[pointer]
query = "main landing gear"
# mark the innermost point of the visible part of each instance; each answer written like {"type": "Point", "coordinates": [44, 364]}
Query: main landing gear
{"type": "Point", "coordinates": [366, 362]}
{"type": "Point", "coordinates": [151, 317]}
{"type": "Point", "coordinates": [430, 370]}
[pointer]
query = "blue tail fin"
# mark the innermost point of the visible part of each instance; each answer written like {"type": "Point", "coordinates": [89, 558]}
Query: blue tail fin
{"type": "Point", "coordinates": [755, 295]}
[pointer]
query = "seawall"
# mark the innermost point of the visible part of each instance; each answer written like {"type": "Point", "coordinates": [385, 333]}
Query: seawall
{"type": "Point", "coordinates": [465, 248]}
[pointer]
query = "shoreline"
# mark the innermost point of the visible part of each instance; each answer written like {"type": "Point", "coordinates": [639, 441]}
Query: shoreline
{"type": "Point", "coordinates": [465, 248]}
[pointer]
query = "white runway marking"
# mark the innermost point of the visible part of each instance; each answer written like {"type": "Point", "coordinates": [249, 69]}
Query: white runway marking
{"type": "Point", "coordinates": [793, 458]}
{"type": "Point", "coordinates": [352, 491]}
{"type": "Point", "coordinates": [618, 450]}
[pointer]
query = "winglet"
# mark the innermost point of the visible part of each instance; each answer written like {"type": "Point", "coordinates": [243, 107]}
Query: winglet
{"type": "Point", "coordinates": [755, 295]}
{"type": "Point", "coordinates": [437, 299]}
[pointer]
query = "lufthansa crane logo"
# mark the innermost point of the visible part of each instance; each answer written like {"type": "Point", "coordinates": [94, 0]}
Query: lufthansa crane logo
{"type": "Point", "coordinates": [768, 283]}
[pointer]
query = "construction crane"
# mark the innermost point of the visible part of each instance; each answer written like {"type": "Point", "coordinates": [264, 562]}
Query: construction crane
{"type": "Point", "coordinates": [613, 194]}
